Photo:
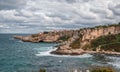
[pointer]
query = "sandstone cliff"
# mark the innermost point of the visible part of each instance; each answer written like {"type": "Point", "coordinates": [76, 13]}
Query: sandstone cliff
{"type": "Point", "coordinates": [82, 43]}
{"type": "Point", "coordinates": [73, 41]}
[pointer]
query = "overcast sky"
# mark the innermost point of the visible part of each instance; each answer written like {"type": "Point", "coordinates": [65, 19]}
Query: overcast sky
{"type": "Point", "coordinates": [32, 16]}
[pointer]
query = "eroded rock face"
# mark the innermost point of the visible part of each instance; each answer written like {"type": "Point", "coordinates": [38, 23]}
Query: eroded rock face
{"type": "Point", "coordinates": [38, 38]}
{"type": "Point", "coordinates": [87, 36]}
{"type": "Point", "coordinates": [51, 38]}
{"type": "Point", "coordinates": [67, 37]}
{"type": "Point", "coordinates": [27, 38]}
{"type": "Point", "coordinates": [68, 51]}
{"type": "Point", "coordinates": [96, 32]}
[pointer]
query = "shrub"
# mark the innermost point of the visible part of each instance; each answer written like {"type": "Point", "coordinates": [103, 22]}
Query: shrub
{"type": "Point", "coordinates": [75, 44]}
{"type": "Point", "coordinates": [109, 42]}
{"type": "Point", "coordinates": [86, 47]}
{"type": "Point", "coordinates": [34, 35]}
{"type": "Point", "coordinates": [80, 35]}
{"type": "Point", "coordinates": [102, 69]}
{"type": "Point", "coordinates": [64, 38]}
{"type": "Point", "coordinates": [111, 47]}
{"type": "Point", "coordinates": [42, 70]}
{"type": "Point", "coordinates": [103, 40]}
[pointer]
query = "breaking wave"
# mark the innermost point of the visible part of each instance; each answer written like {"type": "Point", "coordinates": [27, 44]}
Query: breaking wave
{"type": "Point", "coordinates": [115, 62]}
{"type": "Point", "coordinates": [47, 53]}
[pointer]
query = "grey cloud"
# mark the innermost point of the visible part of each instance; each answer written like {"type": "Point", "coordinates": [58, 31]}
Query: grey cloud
{"type": "Point", "coordinates": [115, 8]}
{"type": "Point", "coordinates": [41, 15]}
{"type": "Point", "coordinates": [11, 4]}
{"type": "Point", "coordinates": [98, 10]}
{"type": "Point", "coordinates": [73, 1]}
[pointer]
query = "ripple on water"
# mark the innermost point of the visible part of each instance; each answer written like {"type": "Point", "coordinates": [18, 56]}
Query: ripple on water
{"type": "Point", "coordinates": [115, 61]}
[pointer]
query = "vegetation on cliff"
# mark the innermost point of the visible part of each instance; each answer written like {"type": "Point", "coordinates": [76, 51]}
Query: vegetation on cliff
{"type": "Point", "coordinates": [75, 44]}
{"type": "Point", "coordinates": [94, 69]}
{"type": "Point", "coordinates": [34, 35]}
{"type": "Point", "coordinates": [98, 38]}
{"type": "Point", "coordinates": [111, 47]}
{"type": "Point", "coordinates": [64, 38]}
{"type": "Point", "coordinates": [42, 70]}
{"type": "Point", "coordinates": [102, 69]}
{"type": "Point", "coordinates": [107, 43]}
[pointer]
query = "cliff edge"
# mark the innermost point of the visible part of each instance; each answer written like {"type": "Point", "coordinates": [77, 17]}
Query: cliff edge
{"type": "Point", "coordinates": [102, 39]}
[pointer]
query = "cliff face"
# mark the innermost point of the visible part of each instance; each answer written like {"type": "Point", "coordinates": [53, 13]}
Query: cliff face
{"type": "Point", "coordinates": [53, 36]}
{"type": "Point", "coordinates": [93, 33]}
{"type": "Point", "coordinates": [80, 42]}
{"type": "Point", "coordinates": [72, 41]}
{"type": "Point", "coordinates": [89, 34]}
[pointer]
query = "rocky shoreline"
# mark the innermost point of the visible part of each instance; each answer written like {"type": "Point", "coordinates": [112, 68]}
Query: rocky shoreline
{"type": "Point", "coordinates": [81, 52]}
{"type": "Point", "coordinates": [77, 42]}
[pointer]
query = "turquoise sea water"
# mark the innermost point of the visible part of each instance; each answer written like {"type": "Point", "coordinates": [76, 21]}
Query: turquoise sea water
{"type": "Point", "coordinates": [18, 56]}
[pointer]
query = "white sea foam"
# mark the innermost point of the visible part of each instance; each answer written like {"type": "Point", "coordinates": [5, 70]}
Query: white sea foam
{"type": "Point", "coordinates": [75, 56]}
{"type": "Point", "coordinates": [115, 62]}
{"type": "Point", "coordinates": [47, 53]}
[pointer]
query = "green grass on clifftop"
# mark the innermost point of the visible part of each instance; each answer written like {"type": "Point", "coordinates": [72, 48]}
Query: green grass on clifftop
{"type": "Point", "coordinates": [109, 42]}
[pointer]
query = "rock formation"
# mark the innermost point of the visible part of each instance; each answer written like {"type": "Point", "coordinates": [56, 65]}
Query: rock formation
{"type": "Point", "coordinates": [73, 42]}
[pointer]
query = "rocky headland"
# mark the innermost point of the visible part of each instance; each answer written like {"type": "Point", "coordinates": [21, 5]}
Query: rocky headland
{"type": "Point", "coordinates": [99, 39]}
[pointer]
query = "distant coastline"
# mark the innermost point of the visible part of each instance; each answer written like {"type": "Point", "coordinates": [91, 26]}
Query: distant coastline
{"type": "Point", "coordinates": [99, 39]}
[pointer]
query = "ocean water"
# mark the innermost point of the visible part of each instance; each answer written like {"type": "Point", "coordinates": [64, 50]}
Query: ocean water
{"type": "Point", "coordinates": [18, 56]}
